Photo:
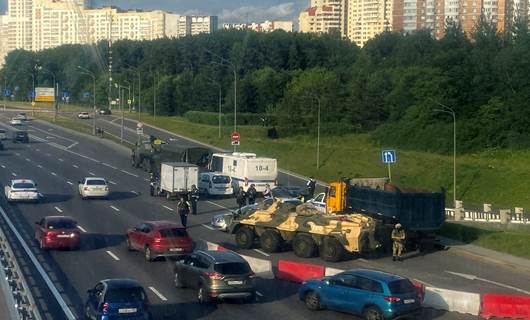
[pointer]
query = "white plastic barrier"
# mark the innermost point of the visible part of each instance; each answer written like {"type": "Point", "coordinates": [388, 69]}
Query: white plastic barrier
{"type": "Point", "coordinates": [332, 271]}
{"type": "Point", "coordinates": [261, 267]}
{"type": "Point", "coordinates": [454, 301]}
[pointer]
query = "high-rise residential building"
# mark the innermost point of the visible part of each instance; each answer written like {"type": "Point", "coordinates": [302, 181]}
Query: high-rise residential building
{"type": "Point", "coordinates": [20, 14]}
{"type": "Point", "coordinates": [4, 27]}
{"type": "Point", "coordinates": [172, 25]}
{"type": "Point", "coordinates": [194, 25]}
{"type": "Point", "coordinates": [267, 26]}
{"type": "Point", "coordinates": [323, 16]}
{"type": "Point", "coordinates": [367, 18]}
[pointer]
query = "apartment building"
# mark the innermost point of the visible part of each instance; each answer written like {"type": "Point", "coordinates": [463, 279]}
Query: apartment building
{"type": "Point", "coordinates": [266, 26]}
{"type": "Point", "coordinates": [20, 14]}
{"type": "Point", "coordinates": [322, 17]}
{"type": "Point", "coordinates": [194, 25]}
{"type": "Point", "coordinates": [4, 29]}
{"type": "Point", "coordinates": [367, 18]}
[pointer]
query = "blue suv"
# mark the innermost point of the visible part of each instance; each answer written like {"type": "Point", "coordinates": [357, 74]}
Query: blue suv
{"type": "Point", "coordinates": [375, 295]}
{"type": "Point", "coordinates": [117, 299]}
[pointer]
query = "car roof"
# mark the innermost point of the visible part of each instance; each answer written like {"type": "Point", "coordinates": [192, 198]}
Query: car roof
{"type": "Point", "coordinates": [164, 224]}
{"type": "Point", "coordinates": [375, 275]}
{"type": "Point", "coordinates": [59, 218]}
{"type": "Point", "coordinates": [94, 178]}
{"type": "Point", "coordinates": [121, 283]}
{"type": "Point", "coordinates": [222, 256]}
{"type": "Point", "coordinates": [22, 181]}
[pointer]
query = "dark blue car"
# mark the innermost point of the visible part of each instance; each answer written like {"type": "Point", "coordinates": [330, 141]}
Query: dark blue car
{"type": "Point", "coordinates": [374, 295]}
{"type": "Point", "coordinates": [117, 299]}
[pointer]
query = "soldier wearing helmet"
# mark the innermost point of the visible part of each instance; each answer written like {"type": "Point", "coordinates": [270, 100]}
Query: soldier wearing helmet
{"type": "Point", "coordinates": [398, 241]}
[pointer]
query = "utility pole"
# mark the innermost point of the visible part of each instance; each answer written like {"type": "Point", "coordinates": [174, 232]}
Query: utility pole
{"type": "Point", "coordinates": [93, 76]}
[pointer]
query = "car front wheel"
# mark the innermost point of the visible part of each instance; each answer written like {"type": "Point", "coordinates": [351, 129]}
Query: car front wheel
{"type": "Point", "coordinates": [312, 301]}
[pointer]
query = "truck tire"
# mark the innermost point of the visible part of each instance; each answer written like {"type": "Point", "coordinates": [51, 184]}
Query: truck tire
{"type": "Point", "coordinates": [270, 241]}
{"type": "Point", "coordinates": [304, 246]}
{"type": "Point", "coordinates": [245, 237]}
{"type": "Point", "coordinates": [331, 250]}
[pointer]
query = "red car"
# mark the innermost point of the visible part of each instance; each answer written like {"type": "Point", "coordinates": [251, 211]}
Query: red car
{"type": "Point", "coordinates": [159, 239]}
{"type": "Point", "coordinates": [57, 232]}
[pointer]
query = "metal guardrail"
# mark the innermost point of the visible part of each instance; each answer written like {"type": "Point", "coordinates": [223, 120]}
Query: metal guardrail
{"type": "Point", "coordinates": [19, 300]}
{"type": "Point", "coordinates": [493, 217]}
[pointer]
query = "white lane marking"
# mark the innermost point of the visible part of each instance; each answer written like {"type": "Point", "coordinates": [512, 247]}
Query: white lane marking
{"type": "Point", "coordinates": [39, 166]}
{"type": "Point", "coordinates": [54, 174]}
{"type": "Point", "coordinates": [28, 160]}
{"type": "Point", "coordinates": [60, 159]}
{"type": "Point", "coordinates": [48, 154]}
{"type": "Point", "coordinates": [131, 174]}
{"type": "Point", "coordinates": [473, 277]}
{"type": "Point", "coordinates": [115, 257]}
{"type": "Point", "coordinates": [70, 183]}
{"type": "Point", "coordinates": [72, 145]}
{"type": "Point", "coordinates": [37, 150]}
{"type": "Point", "coordinates": [220, 206]}
{"type": "Point", "coordinates": [208, 227]}
{"type": "Point", "coordinates": [115, 209]}
{"type": "Point", "coordinates": [18, 154]}
{"type": "Point", "coordinates": [58, 209]}
{"type": "Point", "coordinates": [81, 228]}
{"type": "Point", "coordinates": [13, 174]}
{"type": "Point", "coordinates": [259, 294]}
{"type": "Point", "coordinates": [112, 182]}
{"type": "Point", "coordinates": [170, 209]}
{"type": "Point", "coordinates": [40, 269]}
{"type": "Point", "coordinates": [3, 166]}
{"type": "Point", "coordinates": [158, 294]}
{"type": "Point", "coordinates": [92, 173]}
{"type": "Point", "coordinates": [145, 179]}
{"type": "Point", "coordinates": [108, 165]}
{"type": "Point", "coordinates": [136, 193]}
{"type": "Point", "coordinates": [75, 166]}
{"type": "Point", "coordinates": [261, 252]}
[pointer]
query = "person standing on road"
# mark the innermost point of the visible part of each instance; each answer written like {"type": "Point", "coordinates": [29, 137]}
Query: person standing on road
{"type": "Point", "coordinates": [398, 239]}
{"type": "Point", "coordinates": [241, 198]}
{"type": "Point", "coordinates": [193, 198]}
{"type": "Point", "coordinates": [267, 193]}
{"type": "Point", "coordinates": [183, 209]}
{"type": "Point", "coordinates": [311, 185]}
{"type": "Point", "coordinates": [251, 194]}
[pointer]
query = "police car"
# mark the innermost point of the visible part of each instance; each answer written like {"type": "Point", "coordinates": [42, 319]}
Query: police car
{"type": "Point", "coordinates": [22, 190]}
{"type": "Point", "coordinates": [319, 202]}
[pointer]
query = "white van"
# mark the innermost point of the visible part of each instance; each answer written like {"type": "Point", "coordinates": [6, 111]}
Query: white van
{"type": "Point", "coordinates": [215, 184]}
{"type": "Point", "coordinates": [246, 169]}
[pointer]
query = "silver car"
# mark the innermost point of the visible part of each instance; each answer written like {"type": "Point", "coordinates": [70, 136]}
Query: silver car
{"type": "Point", "coordinates": [92, 187]}
{"type": "Point", "coordinates": [223, 220]}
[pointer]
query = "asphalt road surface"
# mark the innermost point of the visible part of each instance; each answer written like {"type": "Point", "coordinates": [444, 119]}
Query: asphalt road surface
{"type": "Point", "coordinates": [56, 159]}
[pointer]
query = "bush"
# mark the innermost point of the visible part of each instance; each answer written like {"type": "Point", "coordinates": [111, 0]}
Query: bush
{"type": "Point", "coordinates": [212, 118]}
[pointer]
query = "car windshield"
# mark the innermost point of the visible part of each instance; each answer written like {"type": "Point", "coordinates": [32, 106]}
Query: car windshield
{"type": "Point", "coordinates": [173, 233]}
{"type": "Point", "coordinates": [401, 286]}
{"type": "Point", "coordinates": [22, 134]}
{"type": "Point", "coordinates": [96, 182]}
{"type": "Point", "coordinates": [23, 185]}
{"type": "Point", "coordinates": [221, 179]}
{"type": "Point", "coordinates": [61, 224]}
{"type": "Point", "coordinates": [232, 268]}
{"type": "Point", "coordinates": [124, 295]}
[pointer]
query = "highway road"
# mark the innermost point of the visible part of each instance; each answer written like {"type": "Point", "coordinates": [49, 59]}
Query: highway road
{"type": "Point", "coordinates": [56, 159]}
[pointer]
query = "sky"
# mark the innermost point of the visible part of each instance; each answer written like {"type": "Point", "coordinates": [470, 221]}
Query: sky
{"type": "Point", "coordinates": [226, 10]}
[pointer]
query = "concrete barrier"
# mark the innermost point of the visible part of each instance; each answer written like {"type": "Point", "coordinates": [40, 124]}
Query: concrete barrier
{"type": "Point", "coordinates": [332, 271]}
{"type": "Point", "coordinates": [261, 267]}
{"type": "Point", "coordinates": [454, 301]}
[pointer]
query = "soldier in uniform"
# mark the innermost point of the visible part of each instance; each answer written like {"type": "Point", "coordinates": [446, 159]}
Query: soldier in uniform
{"type": "Point", "coordinates": [241, 198]}
{"type": "Point", "coordinates": [193, 198]}
{"type": "Point", "coordinates": [311, 185]}
{"type": "Point", "coordinates": [398, 242]}
{"type": "Point", "coordinates": [251, 194]}
{"type": "Point", "coordinates": [183, 208]}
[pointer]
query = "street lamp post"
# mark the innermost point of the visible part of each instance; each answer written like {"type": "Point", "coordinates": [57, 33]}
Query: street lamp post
{"type": "Point", "coordinates": [451, 111]}
{"type": "Point", "coordinates": [93, 76]}
{"type": "Point", "coordinates": [55, 91]}
{"type": "Point", "coordinates": [139, 89]}
{"type": "Point", "coordinates": [220, 101]}
{"type": "Point", "coordinates": [129, 94]}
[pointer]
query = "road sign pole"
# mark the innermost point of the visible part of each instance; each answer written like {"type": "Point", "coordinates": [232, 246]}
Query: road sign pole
{"type": "Point", "coordinates": [389, 172]}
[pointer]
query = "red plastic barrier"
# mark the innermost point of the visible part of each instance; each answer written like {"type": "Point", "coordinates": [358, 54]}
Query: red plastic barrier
{"type": "Point", "coordinates": [298, 272]}
{"type": "Point", "coordinates": [505, 306]}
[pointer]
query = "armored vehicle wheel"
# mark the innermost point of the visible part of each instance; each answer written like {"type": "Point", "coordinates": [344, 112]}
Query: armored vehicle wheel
{"type": "Point", "coordinates": [270, 241]}
{"type": "Point", "coordinates": [331, 250]}
{"type": "Point", "coordinates": [304, 246]}
{"type": "Point", "coordinates": [245, 238]}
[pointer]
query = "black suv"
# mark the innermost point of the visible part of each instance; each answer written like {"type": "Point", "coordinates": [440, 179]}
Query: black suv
{"type": "Point", "coordinates": [117, 299]}
{"type": "Point", "coordinates": [20, 136]}
{"type": "Point", "coordinates": [105, 111]}
{"type": "Point", "coordinates": [216, 275]}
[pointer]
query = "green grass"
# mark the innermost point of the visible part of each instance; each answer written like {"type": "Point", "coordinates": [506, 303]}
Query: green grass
{"type": "Point", "coordinates": [508, 241]}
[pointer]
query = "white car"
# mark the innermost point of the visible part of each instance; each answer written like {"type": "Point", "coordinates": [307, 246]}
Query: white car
{"type": "Point", "coordinates": [319, 202]}
{"type": "Point", "coordinates": [15, 122]}
{"type": "Point", "coordinates": [83, 115]}
{"type": "Point", "coordinates": [21, 116]}
{"type": "Point", "coordinates": [3, 134]}
{"type": "Point", "coordinates": [22, 190]}
{"type": "Point", "coordinates": [215, 184]}
{"type": "Point", "coordinates": [92, 187]}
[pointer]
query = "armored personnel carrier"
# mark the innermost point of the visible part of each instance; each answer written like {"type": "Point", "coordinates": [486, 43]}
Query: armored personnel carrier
{"type": "Point", "coordinates": [308, 231]}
